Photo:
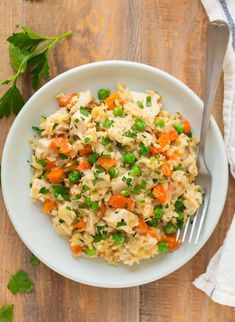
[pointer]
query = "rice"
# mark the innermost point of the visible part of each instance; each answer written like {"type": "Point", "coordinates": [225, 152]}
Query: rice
{"type": "Point", "coordinates": [117, 176]}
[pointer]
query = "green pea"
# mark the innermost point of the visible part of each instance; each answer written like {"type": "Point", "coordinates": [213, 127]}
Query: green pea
{"type": "Point", "coordinates": [103, 93]}
{"type": "Point", "coordinates": [179, 128]}
{"type": "Point", "coordinates": [118, 238]}
{"type": "Point", "coordinates": [158, 212]}
{"type": "Point", "coordinates": [160, 123]}
{"type": "Point", "coordinates": [139, 125]}
{"type": "Point", "coordinates": [179, 205]}
{"type": "Point", "coordinates": [162, 247]}
{"type": "Point", "coordinates": [75, 176]}
{"type": "Point", "coordinates": [92, 158]}
{"type": "Point", "coordinates": [125, 193]}
{"type": "Point", "coordinates": [180, 220]}
{"type": "Point", "coordinates": [113, 172]}
{"type": "Point", "coordinates": [135, 171]}
{"type": "Point", "coordinates": [118, 111]}
{"type": "Point", "coordinates": [144, 150]}
{"type": "Point", "coordinates": [129, 158]}
{"type": "Point", "coordinates": [90, 251]}
{"type": "Point", "coordinates": [169, 228]}
{"type": "Point", "coordinates": [137, 189]}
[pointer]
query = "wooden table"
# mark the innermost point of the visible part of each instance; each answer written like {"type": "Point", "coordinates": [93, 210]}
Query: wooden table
{"type": "Point", "coordinates": [163, 33]}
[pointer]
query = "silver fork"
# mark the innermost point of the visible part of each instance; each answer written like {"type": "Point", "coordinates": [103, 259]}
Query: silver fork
{"type": "Point", "coordinates": [217, 42]}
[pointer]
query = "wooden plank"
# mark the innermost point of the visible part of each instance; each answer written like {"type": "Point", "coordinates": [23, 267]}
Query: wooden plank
{"type": "Point", "coordinates": [178, 44]}
{"type": "Point", "coordinates": [95, 37]}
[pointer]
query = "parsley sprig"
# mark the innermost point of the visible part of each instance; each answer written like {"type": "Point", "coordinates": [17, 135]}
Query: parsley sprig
{"type": "Point", "coordinates": [27, 49]}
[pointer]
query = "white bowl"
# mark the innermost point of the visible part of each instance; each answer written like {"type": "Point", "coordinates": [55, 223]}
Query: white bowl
{"type": "Point", "coordinates": [35, 228]}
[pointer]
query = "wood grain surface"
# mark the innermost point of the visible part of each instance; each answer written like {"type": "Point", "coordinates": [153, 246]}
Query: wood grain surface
{"type": "Point", "coordinates": [169, 34]}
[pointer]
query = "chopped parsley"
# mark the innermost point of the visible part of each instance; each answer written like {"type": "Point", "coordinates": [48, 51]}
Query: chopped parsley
{"type": "Point", "coordinates": [140, 104]}
{"type": "Point", "coordinates": [130, 134]}
{"type": "Point", "coordinates": [84, 111]}
{"type": "Point", "coordinates": [60, 190]}
{"type": "Point", "coordinates": [148, 101]}
{"type": "Point", "coordinates": [43, 190]}
{"type": "Point", "coordinates": [20, 283]}
{"type": "Point", "coordinates": [41, 162]}
{"type": "Point", "coordinates": [86, 139]}
{"type": "Point", "coordinates": [107, 123]}
{"type": "Point", "coordinates": [37, 129]}
{"type": "Point", "coordinates": [63, 156]}
{"type": "Point", "coordinates": [121, 223]}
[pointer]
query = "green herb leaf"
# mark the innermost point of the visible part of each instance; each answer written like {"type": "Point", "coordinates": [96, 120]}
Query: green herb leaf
{"type": "Point", "coordinates": [11, 101]}
{"type": "Point", "coordinates": [62, 191]}
{"type": "Point", "coordinates": [39, 68]}
{"type": "Point", "coordinates": [23, 41]}
{"type": "Point", "coordinates": [18, 58]}
{"type": "Point", "coordinates": [130, 134]}
{"type": "Point", "coordinates": [63, 156]}
{"type": "Point", "coordinates": [20, 283]}
{"type": "Point", "coordinates": [121, 223]}
{"type": "Point", "coordinates": [84, 111]}
{"type": "Point", "coordinates": [37, 129]}
{"type": "Point", "coordinates": [148, 101]}
{"type": "Point", "coordinates": [107, 123]}
{"type": "Point", "coordinates": [44, 190]}
{"type": "Point", "coordinates": [140, 104]}
{"type": "Point", "coordinates": [34, 260]}
{"type": "Point", "coordinates": [41, 162]}
{"type": "Point", "coordinates": [6, 313]}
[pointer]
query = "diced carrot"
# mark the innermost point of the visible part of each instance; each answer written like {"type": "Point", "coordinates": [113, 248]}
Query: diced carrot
{"type": "Point", "coordinates": [110, 101]}
{"type": "Point", "coordinates": [102, 209]}
{"type": "Point", "coordinates": [76, 249]}
{"type": "Point", "coordinates": [166, 169]}
{"type": "Point", "coordinates": [144, 229]}
{"type": "Point", "coordinates": [187, 126]}
{"type": "Point", "coordinates": [172, 156]}
{"type": "Point", "coordinates": [86, 150]}
{"type": "Point", "coordinates": [164, 140]}
{"type": "Point", "coordinates": [106, 163]}
{"type": "Point", "coordinates": [80, 224]}
{"type": "Point", "coordinates": [153, 233]}
{"type": "Point", "coordinates": [64, 100]}
{"type": "Point", "coordinates": [171, 241]}
{"type": "Point", "coordinates": [84, 165]}
{"type": "Point", "coordinates": [119, 201]}
{"type": "Point", "coordinates": [50, 164]}
{"type": "Point", "coordinates": [160, 193]}
{"type": "Point", "coordinates": [173, 135]}
{"type": "Point", "coordinates": [61, 145]}
{"type": "Point", "coordinates": [153, 150]}
{"type": "Point", "coordinates": [56, 175]}
{"type": "Point", "coordinates": [49, 205]}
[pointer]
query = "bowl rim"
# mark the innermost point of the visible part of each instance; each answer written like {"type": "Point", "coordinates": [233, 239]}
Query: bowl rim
{"type": "Point", "coordinates": [72, 71]}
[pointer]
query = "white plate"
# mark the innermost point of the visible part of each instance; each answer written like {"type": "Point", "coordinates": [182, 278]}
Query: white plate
{"type": "Point", "coordinates": [35, 228]}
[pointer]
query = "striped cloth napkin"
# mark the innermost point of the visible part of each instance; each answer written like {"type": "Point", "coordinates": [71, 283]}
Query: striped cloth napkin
{"type": "Point", "coordinates": [218, 282]}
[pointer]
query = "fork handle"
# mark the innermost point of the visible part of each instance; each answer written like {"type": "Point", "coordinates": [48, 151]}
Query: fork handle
{"type": "Point", "coordinates": [217, 42]}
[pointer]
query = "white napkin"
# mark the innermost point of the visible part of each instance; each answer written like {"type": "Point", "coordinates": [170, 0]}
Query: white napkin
{"type": "Point", "coordinates": [219, 280]}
